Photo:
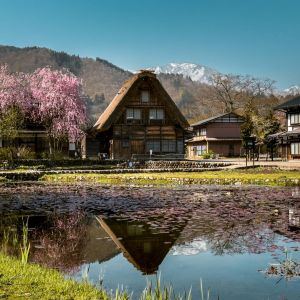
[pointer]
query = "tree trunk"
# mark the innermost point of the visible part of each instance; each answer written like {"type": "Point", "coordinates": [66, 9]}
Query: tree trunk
{"type": "Point", "coordinates": [50, 147]}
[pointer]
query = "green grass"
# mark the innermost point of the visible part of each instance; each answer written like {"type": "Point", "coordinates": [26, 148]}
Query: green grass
{"type": "Point", "coordinates": [257, 176]}
{"type": "Point", "coordinates": [30, 281]}
{"type": "Point", "coordinates": [112, 179]}
{"type": "Point", "coordinates": [94, 167]}
{"type": "Point", "coordinates": [3, 179]}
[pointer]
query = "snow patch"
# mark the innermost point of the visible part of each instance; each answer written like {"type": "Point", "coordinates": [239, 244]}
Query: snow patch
{"type": "Point", "coordinates": [195, 72]}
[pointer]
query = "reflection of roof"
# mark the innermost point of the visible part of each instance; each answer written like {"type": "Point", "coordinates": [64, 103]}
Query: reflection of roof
{"type": "Point", "coordinates": [141, 246]}
{"type": "Point", "coordinates": [98, 246]}
{"type": "Point", "coordinates": [108, 116]}
{"type": "Point", "coordinates": [202, 122]}
{"type": "Point", "coordinates": [295, 102]}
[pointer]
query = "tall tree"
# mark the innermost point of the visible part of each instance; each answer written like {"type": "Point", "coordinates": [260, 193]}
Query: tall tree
{"type": "Point", "coordinates": [235, 91]}
{"type": "Point", "coordinates": [15, 102]}
{"type": "Point", "coordinates": [60, 108]}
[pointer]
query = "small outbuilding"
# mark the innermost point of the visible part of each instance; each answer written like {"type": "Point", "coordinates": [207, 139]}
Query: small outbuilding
{"type": "Point", "coordinates": [221, 134]}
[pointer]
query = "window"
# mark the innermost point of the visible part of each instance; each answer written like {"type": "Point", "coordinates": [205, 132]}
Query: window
{"type": "Point", "coordinates": [180, 147]}
{"type": "Point", "coordinates": [156, 114]}
{"type": "Point", "coordinates": [125, 143]}
{"type": "Point", "coordinates": [133, 114]}
{"type": "Point", "coordinates": [295, 119]}
{"type": "Point", "coordinates": [72, 146]}
{"type": "Point", "coordinates": [168, 146]}
{"type": "Point", "coordinates": [295, 148]}
{"type": "Point", "coordinates": [153, 145]}
{"type": "Point", "coordinates": [199, 150]}
{"type": "Point", "coordinates": [202, 131]}
{"type": "Point", "coordinates": [145, 96]}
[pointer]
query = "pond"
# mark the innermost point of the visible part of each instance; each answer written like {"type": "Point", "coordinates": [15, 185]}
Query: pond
{"type": "Point", "coordinates": [226, 236]}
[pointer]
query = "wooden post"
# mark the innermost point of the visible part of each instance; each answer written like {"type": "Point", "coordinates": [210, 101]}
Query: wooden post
{"type": "Point", "coordinates": [83, 147]}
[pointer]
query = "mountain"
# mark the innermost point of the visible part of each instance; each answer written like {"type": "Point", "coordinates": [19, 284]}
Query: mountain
{"type": "Point", "coordinates": [186, 83]}
{"type": "Point", "coordinates": [195, 72]}
{"type": "Point", "coordinates": [292, 91]}
{"type": "Point", "coordinates": [101, 79]}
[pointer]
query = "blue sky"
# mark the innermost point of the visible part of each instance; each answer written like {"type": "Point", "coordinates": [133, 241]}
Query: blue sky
{"type": "Point", "coordinates": [257, 37]}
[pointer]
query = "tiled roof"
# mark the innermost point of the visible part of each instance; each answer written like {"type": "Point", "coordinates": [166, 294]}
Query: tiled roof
{"type": "Point", "coordinates": [289, 104]}
{"type": "Point", "coordinates": [202, 122]}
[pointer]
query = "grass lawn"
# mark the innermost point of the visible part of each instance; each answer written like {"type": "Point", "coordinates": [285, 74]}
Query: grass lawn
{"type": "Point", "coordinates": [29, 281]}
{"type": "Point", "coordinates": [239, 176]}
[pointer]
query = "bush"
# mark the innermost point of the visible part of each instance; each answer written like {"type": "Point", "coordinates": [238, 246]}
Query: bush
{"type": "Point", "coordinates": [24, 152]}
{"type": "Point", "coordinates": [11, 153]}
{"type": "Point", "coordinates": [57, 155]}
{"type": "Point", "coordinates": [6, 153]}
{"type": "Point", "coordinates": [208, 154]}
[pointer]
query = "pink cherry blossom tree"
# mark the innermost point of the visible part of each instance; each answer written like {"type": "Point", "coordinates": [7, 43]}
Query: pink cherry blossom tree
{"type": "Point", "coordinates": [59, 105]}
{"type": "Point", "coordinates": [15, 102]}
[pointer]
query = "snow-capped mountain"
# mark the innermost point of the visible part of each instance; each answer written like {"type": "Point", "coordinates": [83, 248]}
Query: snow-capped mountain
{"type": "Point", "coordinates": [292, 90]}
{"type": "Point", "coordinates": [195, 72]}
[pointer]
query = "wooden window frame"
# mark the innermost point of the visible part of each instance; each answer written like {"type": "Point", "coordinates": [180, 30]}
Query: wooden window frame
{"type": "Point", "coordinates": [141, 96]}
{"type": "Point", "coordinates": [134, 111]}
{"type": "Point", "coordinates": [156, 114]}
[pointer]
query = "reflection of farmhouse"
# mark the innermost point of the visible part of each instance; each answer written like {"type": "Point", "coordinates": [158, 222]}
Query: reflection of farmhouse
{"type": "Point", "coordinates": [141, 117]}
{"type": "Point", "coordinates": [289, 141]}
{"type": "Point", "coordinates": [144, 247]}
{"type": "Point", "coordinates": [220, 134]}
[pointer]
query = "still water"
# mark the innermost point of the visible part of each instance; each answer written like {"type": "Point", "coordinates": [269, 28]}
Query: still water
{"type": "Point", "coordinates": [124, 236]}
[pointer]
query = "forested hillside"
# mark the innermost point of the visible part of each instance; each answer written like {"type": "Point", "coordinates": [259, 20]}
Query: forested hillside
{"type": "Point", "coordinates": [102, 80]}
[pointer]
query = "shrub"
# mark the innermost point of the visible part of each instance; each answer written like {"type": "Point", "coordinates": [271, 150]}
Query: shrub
{"type": "Point", "coordinates": [11, 153]}
{"type": "Point", "coordinates": [24, 152]}
{"type": "Point", "coordinates": [57, 155]}
{"type": "Point", "coordinates": [6, 153]}
{"type": "Point", "coordinates": [208, 154]}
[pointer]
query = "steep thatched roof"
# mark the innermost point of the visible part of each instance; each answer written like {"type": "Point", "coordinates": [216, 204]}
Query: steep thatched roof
{"type": "Point", "coordinates": [108, 116]}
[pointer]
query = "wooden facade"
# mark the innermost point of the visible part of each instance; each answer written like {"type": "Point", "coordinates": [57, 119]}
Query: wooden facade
{"type": "Point", "coordinates": [35, 138]}
{"type": "Point", "coordinates": [220, 134]}
{"type": "Point", "coordinates": [141, 119]}
{"type": "Point", "coordinates": [289, 141]}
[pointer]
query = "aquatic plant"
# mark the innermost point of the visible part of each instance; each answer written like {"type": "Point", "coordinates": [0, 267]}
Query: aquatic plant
{"type": "Point", "coordinates": [11, 244]}
{"type": "Point", "coordinates": [288, 268]}
{"type": "Point", "coordinates": [202, 291]}
{"type": "Point", "coordinates": [162, 292]}
{"type": "Point", "coordinates": [25, 246]}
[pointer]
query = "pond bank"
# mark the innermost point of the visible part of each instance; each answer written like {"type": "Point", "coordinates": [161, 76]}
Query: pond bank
{"type": "Point", "coordinates": [30, 281]}
{"type": "Point", "coordinates": [207, 175]}
{"type": "Point", "coordinates": [257, 176]}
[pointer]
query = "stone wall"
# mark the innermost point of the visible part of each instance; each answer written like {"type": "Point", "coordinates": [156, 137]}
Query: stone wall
{"type": "Point", "coordinates": [183, 164]}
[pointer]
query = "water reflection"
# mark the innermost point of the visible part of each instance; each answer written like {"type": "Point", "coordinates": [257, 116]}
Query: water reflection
{"type": "Point", "coordinates": [159, 229]}
{"type": "Point", "coordinates": [142, 245]}
{"type": "Point", "coordinates": [63, 242]}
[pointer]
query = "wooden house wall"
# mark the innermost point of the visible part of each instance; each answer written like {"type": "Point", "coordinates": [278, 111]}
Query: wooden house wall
{"type": "Point", "coordinates": [223, 130]}
{"type": "Point", "coordinates": [131, 136]}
